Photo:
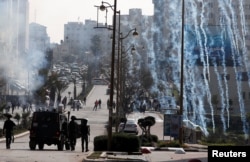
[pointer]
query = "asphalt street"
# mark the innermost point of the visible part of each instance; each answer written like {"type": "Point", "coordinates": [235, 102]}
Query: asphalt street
{"type": "Point", "coordinates": [99, 118]}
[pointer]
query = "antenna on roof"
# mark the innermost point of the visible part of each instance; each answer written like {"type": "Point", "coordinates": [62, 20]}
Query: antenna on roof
{"type": "Point", "coordinates": [35, 16]}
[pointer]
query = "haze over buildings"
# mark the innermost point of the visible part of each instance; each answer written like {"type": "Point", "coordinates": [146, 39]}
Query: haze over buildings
{"type": "Point", "coordinates": [216, 50]}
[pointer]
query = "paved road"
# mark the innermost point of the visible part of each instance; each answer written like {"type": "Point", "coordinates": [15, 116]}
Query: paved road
{"type": "Point", "coordinates": [20, 151]}
{"type": "Point", "coordinates": [97, 119]}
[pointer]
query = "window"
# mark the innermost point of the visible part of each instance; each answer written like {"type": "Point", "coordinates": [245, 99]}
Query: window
{"type": "Point", "coordinates": [211, 4]}
{"type": "Point", "coordinates": [225, 76]}
{"type": "Point", "coordinates": [202, 76]}
{"type": "Point", "coordinates": [244, 95]}
{"type": "Point", "coordinates": [242, 76]}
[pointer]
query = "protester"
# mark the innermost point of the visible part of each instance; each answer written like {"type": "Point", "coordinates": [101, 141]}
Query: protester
{"type": "Point", "coordinates": [73, 130]}
{"type": "Point", "coordinates": [85, 132]}
{"type": "Point", "coordinates": [95, 105]}
{"type": "Point", "coordinates": [78, 105]}
{"type": "Point", "coordinates": [8, 130]}
{"type": "Point", "coordinates": [100, 103]}
{"type": "Point", "coordinates": [64, 102]}
{"type": "Point", "coordinates": [84, 100]}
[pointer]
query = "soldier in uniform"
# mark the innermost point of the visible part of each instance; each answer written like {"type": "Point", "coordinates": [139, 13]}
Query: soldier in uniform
{"type": "Point", "coordinates": [8, 130]}
{"type": "Point", "coordinates": [73, 130]}
{"type": "Point", "coordinates": [85, 132]}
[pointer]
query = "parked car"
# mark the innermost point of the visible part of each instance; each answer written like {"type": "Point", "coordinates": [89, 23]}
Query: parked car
{"type": "Point", "coordinates": [129, 127]}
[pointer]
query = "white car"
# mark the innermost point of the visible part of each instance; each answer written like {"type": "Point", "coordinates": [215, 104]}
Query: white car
{"type": "Point", "coordinates": [129, 127]}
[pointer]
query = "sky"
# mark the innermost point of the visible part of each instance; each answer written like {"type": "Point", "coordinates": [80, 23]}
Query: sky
{"type": "Point", "coordinates": [55, 13]}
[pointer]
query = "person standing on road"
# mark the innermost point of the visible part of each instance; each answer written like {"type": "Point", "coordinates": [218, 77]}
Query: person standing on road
{"type": "Point", "coordinates": [85, 132]}
{"type": "Point", "coordinates": [95, 106]}
{"type": "Point", "coordinates": [64, 102]}
{"type": "Point", "coordinates": [78, 104]}
{"type": "Point", "coordinates": [8, 130]}
{"type": "Point", "coordinates": [100, 103]}
{"type": "Point", "coordinates": [73, 130]}
{"type": "Point", "coordinates": [84, 100]}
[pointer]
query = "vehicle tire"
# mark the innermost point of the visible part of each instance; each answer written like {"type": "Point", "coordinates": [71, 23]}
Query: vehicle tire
{"type": "Point", "coordinates": [32, 145]}
{"type": "Point", "coordinates": [60, 145]}
{"type": "Point", "coordinates": [40, 146]}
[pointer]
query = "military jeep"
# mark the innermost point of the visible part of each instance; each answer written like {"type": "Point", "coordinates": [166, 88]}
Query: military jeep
{"type": "Point", "coordinates": [50, 128]}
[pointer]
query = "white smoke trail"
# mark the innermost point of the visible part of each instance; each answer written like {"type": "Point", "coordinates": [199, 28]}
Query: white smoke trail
{"type": "Point", "coordinates": [235, 37]}
{"type": "Point", "coordinates": [18, 64]}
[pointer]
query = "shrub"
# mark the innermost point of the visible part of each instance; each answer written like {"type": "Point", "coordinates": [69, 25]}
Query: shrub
{"type": "Point", "coordinates": [125, 142]}
{"type": "Point", "coordinates": [25, 122]}
{"type": "Point", "coordinates": [100, 143]}
{"type": "Point", "coordinates": [148, 140]}
{"type": "Point", "coordinates": [120, 142]}
{"type": "Point", "coordinates": [174, 143]}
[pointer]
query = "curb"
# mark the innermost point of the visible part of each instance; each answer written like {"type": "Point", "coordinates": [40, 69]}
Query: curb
{"type": "Point", "coordinates": [191, 149]}
{"type": "Point", "coordinates": [179, 150]}
{"type": "Point", "coordinates": [16, 136]}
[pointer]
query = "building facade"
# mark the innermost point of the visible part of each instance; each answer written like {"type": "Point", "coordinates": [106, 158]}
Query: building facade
{"type": "Point", "coordinates": [14, 26]}
{"type": "Point", "coordinates": [82, 38]}
{"type": "Point", "coordinates": [38, 37]}
{"type": "Point", "coordinates": [14, 30]}
{"type": "Point", "coordinates": [216, 52]}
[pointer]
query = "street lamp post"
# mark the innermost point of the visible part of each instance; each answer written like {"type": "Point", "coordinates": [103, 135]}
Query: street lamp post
{"type": "Point", "coordinates": [114, 8]}
{"type": "Point", "coordinates": [74, 82]}
{"type": "Point", "coordinates": [102, 8]}
{"type": "Point", "coordinates": [119, 64]}
{"type": "Point", "coordinates": [182, 72]}
{"type": "Point", "coordinates": [122, 73]}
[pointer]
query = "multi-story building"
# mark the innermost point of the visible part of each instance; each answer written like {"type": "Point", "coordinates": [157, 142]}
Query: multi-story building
{"type": "Point", "coordinates": [216, 52]}
{"type": "Point", "coordinates": [14, 22]}
{"type": "Point", "coordinates": [143, 26]}
{"type": "Point", "coordinates": [38, 38]}
{"type": "Point", "coordinates": [84, 38]}
{"type": "Point", "coordinates": [13, 38]}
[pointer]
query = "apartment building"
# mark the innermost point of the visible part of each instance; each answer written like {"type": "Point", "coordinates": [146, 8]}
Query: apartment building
{"type": "Point", "coordinates": [216, 48]}
{"type": "Point", "coordinates": [38, 38]}
{"type": "Point", "coordinates": [14, 22]}
{"type": "Point", "coordinates": [13, 38]}
{"type": "Point", "coordinates": [79, 37]}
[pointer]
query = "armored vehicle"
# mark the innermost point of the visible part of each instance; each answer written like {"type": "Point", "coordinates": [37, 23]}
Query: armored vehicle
{"type": "Point", "coordinates": [50, 128]}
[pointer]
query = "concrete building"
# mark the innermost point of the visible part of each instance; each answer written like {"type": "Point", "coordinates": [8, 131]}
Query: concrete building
{"type": "Point", "coordinates": [14, 26]}
{"type": "Point", "coordinates": [82, 38]}
{"type": "Point", "coordinates": [215, 30]}
{"type": "Point", "coordinates": [14, 30]}
{"type": "Point", "coordinates": [38, 37]}
{"type": "Point", "coordinates": [143, 25]}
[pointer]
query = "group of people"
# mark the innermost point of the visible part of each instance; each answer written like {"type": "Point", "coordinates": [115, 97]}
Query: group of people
{"type": "Point", "coordinates": [98, 103]}
{"type": "Point", "coordinates": [75, 104]}
{"type": "Point", "coordinates": [73, 133]}
{"type": "Point", "coordinates": [12, 105]}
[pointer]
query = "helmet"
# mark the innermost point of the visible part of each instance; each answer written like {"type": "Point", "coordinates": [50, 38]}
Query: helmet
{"type": "Point", "coordinates": [73, 117]}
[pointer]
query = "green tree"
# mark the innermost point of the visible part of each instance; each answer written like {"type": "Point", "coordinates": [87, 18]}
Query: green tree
{"type": "Point", "coordinates": [96, 45]}
{"type": "Point", "coordinates": [52, 84]}
{"type": "Point", "coordinates": [145, 124]}
{"type": "Point", "coordinates": [60, 86]}
{"type": "Point", "coordinates": [17, 117]}
{"type": "Point", "coordinates": [25, 120]}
